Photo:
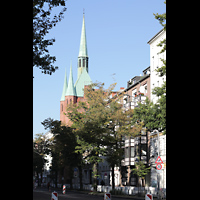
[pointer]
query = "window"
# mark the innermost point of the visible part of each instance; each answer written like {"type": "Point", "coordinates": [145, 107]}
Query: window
{"type": "Point", "coordinates": [126, 152]}
{"type": "Point", "coordinates": [134, 92]}
{"type": "Point", "coordinates": [145, 88]}
{"type": "Point", "coordinates": [132, 152]}
{"type": "Point", "coordinates": [61, 107]}
{"type": "Point", "coordinates": [136, 150]}
{"type": "Point", "coordinates": [143, 149]}
{"type": "Point", "coordinates": [83, 62]}
{"type": "Point", "coordinates": [79, 62]}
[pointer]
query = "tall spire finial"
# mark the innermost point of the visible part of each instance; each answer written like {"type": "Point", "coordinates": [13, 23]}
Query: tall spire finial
{"type": "Point", "coordinates": [83, 10]}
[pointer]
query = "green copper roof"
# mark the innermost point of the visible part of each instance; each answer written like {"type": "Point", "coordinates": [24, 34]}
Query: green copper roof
{"type": "Point", "coordinates": [83, 80]}
{"type": "Point", "coordinates": [83, 43]}
{"type": "Point", "coordinates": [64, 87]}
{"type": "Point", "coordinates": [70, 89]}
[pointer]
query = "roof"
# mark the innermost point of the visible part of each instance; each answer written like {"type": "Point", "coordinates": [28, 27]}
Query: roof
{"type": "Point", "coordinates": [64, 87]}
{"type": "Point", "coordinates": [83, 43]}
{"type": "Point", "coordinates": [155, 36]}
{"type": "Point", "coordinates": [142, 78]}
{"type": "Point", "coordinates": [70, 89]}
{"type": "Point", "coordinates": [84, 79]}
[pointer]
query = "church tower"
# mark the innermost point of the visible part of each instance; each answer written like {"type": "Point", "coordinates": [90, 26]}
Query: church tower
{"type": "Point", "coordinates": [73, 93]}
{"type": "Point", "coordinates": [83, 54]}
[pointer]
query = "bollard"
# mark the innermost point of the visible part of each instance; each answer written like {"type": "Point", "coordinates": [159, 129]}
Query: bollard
{"type": "Point", "coordinates": [107, 196]}
{"type": "Point", "coordinates": [64, 189]}
{"type": "Point", "coordinates": [148, 197]}
{"type": "Point", "coordinates": [54, 196]}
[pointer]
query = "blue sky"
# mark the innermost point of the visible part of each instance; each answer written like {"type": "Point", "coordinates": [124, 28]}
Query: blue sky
{"type": "Point", "coordinates": [117, 33]}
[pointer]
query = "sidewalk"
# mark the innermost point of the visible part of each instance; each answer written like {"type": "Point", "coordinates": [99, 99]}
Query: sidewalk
{"type": "Point", "coordinates": [59, 190]}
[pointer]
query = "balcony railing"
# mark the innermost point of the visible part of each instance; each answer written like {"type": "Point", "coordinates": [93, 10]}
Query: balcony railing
{"type": "Point", "coordinates": [133, 103]}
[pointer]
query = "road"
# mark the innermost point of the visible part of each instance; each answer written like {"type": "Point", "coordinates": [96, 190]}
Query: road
{"type": "Point", "coordinates": [45, 195]}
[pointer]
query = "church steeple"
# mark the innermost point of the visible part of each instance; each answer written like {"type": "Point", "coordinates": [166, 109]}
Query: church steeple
{"type": "Point", "coordinates": [64, 87]}
{"type": "Point", "coordinates": [83, 54]}
{"type": "Point", "coordinates": [70, 89]}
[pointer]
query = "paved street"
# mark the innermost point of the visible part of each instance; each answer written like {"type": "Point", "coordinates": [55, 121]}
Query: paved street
{"type": "Point", "coordinates": [45, 195]}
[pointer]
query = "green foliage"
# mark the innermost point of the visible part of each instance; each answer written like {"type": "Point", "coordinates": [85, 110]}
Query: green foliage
{"type": "Point", "coordinates": [140, 169]}
{"type": "Point", "coordinates": [62, 146]}
{"type": "Point", "coordinates": [42, 23]}
{"type": "Point", "coordinates": [99, 123]}
{"type": "Point", "coordinates": [161, 18]}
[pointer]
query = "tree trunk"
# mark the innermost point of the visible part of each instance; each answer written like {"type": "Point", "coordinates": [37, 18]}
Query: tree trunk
{"type": "Point", "coordinates": [95, 177]}
{"type": "Point", "coordinates": [139, 184]}
{"type": "Point", "coordinates": [56, 175]}
{"type": "Point", "coordinates": [113, 177]}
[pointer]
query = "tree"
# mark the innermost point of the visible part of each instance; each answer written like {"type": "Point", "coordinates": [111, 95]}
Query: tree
{"type": "Point", "coordinates": [40, 148]}
{"type": "Point", "coordinates": [99, 123]}
{"type": "Point", "coordinates": [42, 23]}
{"type": "Point", "coordinates": [160, 106]}
{"type": "Point", "coordinates": [140, 170]}
{"type": "Point", "coordinates": [63, 147]}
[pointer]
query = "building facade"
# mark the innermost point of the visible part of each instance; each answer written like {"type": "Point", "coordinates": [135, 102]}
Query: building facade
{"type": "Point", "coordinates": [138, 89]}
{"type": "Point", "coordinates": [158, 177]}
{"type": "Point", "coordinates": [156, 62]}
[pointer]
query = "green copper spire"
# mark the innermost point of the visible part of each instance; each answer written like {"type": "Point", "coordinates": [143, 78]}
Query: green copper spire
{"type": "Point", "coordinates": [70, 89]}
{"type": "Point", "coordinates": [64, 87]}
{"type": "Point", "coordinates": [83, 43]}
{"type": "Point", "coordinates": [83, 54]}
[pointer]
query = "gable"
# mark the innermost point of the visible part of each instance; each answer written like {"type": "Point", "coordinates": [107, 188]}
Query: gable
{"type": "Point", "coordinates": [83, 80]}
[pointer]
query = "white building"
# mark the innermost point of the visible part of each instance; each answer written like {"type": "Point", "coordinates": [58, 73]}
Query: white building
{"type": "Point", "coordinates": [156, 81]}
{"type": "Point", "coordinates": [154, 155]}
{"type": "Point", "coordinates": [105, 172]}
{"type": "Point", "coordinates": [155, 61]}
{"type": "Point", "coordinates": [48, 135]}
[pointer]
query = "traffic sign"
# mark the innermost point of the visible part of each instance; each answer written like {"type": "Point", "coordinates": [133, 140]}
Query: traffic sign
{"type": "Point", "coordinates": [159, 166]}
{"type": "Point", "coordinates": [105, 175]}
{"type": "Point", "coordinates": [159, 161]}
{"type": "Point", "coordinates": [148, 197]}
{"type": "Point", "coordinates": [54, 196]}
{"type": "Point", "coordinates": [107, 196]}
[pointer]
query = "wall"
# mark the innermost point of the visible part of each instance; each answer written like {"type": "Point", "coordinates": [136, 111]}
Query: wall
{"type": "Point", "coordinates": [156, 63]}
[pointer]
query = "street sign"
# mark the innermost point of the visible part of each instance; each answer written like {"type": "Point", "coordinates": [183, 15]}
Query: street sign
{"type": "Point", "coordinates": [54, 196]}
{"type": "Point", "coordinates": [107, 196]}
{"type": "Point", "coordinates": [159, 166]}
{"type": "Point", "coordinates": [159, 161]}
{"type": "Point", "coordinates": [105, 175]}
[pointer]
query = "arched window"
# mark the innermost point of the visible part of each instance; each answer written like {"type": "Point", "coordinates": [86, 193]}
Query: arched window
{"type": "Point", "coordinates": [61, 107]}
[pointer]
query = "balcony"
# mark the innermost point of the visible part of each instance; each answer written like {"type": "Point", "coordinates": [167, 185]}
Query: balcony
{"type": "Point", "coordinates": [132, 101]}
